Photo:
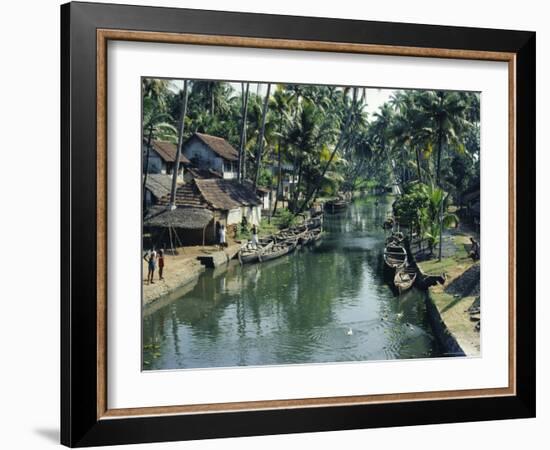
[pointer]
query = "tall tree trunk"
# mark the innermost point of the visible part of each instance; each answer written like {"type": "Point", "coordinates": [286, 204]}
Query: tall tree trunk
{"type": "Point", "coordinates": [279, 169]}
{"type": "Point", "coordinates": [242, 149]}
{"type": "Point", "coordinates": [298, 185]}
{"type": "Point", "coordinates": [148, 154]}
{"type": "Point", "coordinates": [439, 138]}
{"type": "Point", "coordinates": [441, 228]}
{"type": "Point", "coordinates": [292, 186]}
{"type": "Point", "coordinates": [418, 168]}
{"type": "Point", "coordinates": [439, 150]}
{"type": "Point", "coordinates": [212, 99]}
{"type": "Point", "coordinates": [261, 138]}
{"type": "Point", "coordinates": [178, 150]}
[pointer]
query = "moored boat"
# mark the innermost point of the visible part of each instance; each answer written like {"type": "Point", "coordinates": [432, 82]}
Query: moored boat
{"type": "Point", "coordinates": [404, 278]}
{"type": "Point", "coordinates": [335, 206]}
{"type": "Point", "coordinates": [395, 256]}
{"type": "Point", "coordinates": [250, 254]}
{"type": "Point", "coordinates": [277, 250]}
{"type": "Point", "coordinates": [314, 236]}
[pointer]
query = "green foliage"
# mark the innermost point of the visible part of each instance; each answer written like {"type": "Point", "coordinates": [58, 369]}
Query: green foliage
{"type": "Point", "coordinates": [410, 208]}
{"type": "Point", "coordinates": [266, 178]}
{"type": "Point", "coordinates": [285, 218]}
{"type": "Point", "coordinates": [326, 136]}
{"type": "Point", "coordinates": [425, 208]}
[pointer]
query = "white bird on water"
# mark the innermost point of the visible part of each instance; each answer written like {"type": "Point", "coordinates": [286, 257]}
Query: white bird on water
{"type": "Point", "coordinates": [350, 332]}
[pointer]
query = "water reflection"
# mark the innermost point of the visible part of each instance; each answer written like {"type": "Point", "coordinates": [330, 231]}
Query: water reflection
{"type": "Point", "coordinates": [297, 309]}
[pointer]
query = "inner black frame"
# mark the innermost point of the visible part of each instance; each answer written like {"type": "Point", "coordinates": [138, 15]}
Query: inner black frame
{"type": "Point", "coordinates": [79, 423]}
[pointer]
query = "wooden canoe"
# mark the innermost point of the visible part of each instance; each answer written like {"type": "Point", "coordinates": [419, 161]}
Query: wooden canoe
{"type": "Point", "coordinates": [248, 254]}
{"type": "Point", "coordinates": [395, 256]}
{"type": "Point", "coordinates": [277, 250]}
{"type": "Point", "coordinates": [335, 206]}
{"type": "Point", "coordinates": [404, 279]}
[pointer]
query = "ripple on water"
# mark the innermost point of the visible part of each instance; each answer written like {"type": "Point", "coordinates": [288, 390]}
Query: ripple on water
{"type": "Point", "coordinates": [297, 309]}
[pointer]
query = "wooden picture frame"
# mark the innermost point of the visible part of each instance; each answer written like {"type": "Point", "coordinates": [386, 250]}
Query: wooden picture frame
{"type": "Point", "coordinates": [85, 417]}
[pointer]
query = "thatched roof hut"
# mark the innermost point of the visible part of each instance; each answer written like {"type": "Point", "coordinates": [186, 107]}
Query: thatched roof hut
{"type": "Point", "coordinates": [214, 193]}
{"type": "Point", "coordinates": [158, 184]}
{"type": "Point", "coordinates": [186, 218]}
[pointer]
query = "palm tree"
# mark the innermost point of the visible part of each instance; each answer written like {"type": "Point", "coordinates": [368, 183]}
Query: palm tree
{"type": "Point", "coordinates": [212, 95]}
{"type": "Point", "coordinates": [283, 105]}
{"type": "Point", "coordinates": [410, 129]}
{"type": "Point", "coordinates": [348, 109]}
{"type": "Point", "coordinates": [304, 136]}
{"type": "Point", "coordinates": [157, 122]}
{"type": "Point", "coordinates": [437, 216]}
{"type": "Point", "coordinates": [446, 112]}
{"type": "Point", "coordinates": [179, 145]}
{"type": "Point", "coordinates": [261, 137]}
{"type": "Point", "coordinates": [242, 145]}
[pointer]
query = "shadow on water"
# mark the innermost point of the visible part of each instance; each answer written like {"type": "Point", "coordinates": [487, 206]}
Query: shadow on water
{"type": "Point", "coordinates": [296, 309]}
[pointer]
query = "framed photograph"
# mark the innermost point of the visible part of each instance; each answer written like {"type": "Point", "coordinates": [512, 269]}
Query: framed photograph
{"type": "Point", "coordinates": [277, 224]}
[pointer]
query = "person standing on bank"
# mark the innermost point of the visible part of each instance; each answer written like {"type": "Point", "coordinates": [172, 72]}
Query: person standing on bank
{"type": "Point", "coordinates": [254, 242]}
{"type": "Point", "coordinates": [151, 259]}
{"type": "Point", "coordinates": [161, 263]}
{"type": "Point", "coordinates": [218, 226]}
{"type": "Point", "coordinates": [222, 236]}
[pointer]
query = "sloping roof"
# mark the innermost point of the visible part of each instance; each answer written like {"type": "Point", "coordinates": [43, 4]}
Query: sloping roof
{"type": "Point", "coordinates": [186, 195]}
{"type": "Point", "coordinates": [214, 193]}
{"type": "Point", "coordinates": [189, 218]}
{"type": "Point", "coordinates": [226, 194]}
{"type": "Point", "coordinates": [219, 146]}
{"type": "Point", "coordinates": [158, 184]}
{"type": "Point", "coordinates": [196, 172]}
{"type": "Point", "coordinates": [167, 151]}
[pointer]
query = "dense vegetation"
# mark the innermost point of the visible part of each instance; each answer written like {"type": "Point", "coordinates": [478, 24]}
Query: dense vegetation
{"type": "Point", "coordinates": [427, 142]}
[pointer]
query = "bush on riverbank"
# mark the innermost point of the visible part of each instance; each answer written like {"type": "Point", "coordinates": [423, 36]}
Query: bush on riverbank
{"type": "Point", "coordinates": [283, 218]}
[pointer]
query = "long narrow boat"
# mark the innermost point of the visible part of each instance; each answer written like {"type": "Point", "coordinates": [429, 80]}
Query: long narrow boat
{"type": "Point", "coordinates": [314, 236]}
{"type": "Point", "coordinates": [404, 278]}
{"type": "Point", "coordinates": [315, 221]}
{"type": "Point", "coordinates": [335, 206]}
{"type": "Point", "coordinates": [277, 250]}
{"type": "Point", "coordinates": [249, 254]}
{"type": "Point", "coordinates": [395, 256]}
{"type": "Point", "coordinates": [292, 234]}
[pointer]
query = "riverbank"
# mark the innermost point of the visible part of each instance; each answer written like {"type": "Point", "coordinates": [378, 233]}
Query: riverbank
{"type": "Point", "coordinates": [181, 269]}
{"type": "Point", "coordinates": [449, 303]}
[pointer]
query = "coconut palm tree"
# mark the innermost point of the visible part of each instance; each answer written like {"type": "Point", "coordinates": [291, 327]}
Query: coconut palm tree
{"type": "Point", "coordinates": [283, 105]}
{"type": "Point", "coordinates": [446, 114]}
{"type": "Point", "coordinates": [347, 110]}
{"type": "Point", "coordinates": [436, 216]}
{"type": "Point", "coordinates": [259, 152]}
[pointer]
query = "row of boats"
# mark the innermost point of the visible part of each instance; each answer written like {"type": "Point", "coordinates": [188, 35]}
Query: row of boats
{"type": "Point", "coordinates": [395, 257]}
{"type": "Point", "coordinates": [282, 243]}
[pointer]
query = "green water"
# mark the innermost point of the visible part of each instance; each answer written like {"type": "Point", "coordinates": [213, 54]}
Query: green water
{"type": "Point", "coordinates": [296, 309]}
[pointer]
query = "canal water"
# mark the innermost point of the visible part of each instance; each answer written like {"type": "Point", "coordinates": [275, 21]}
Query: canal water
{"type": "Point", "coordinates": [328, 303]}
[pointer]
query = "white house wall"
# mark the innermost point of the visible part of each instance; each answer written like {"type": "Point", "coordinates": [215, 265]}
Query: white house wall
{"type": "Point", "coordinates": [202, 156]}
{"type": "Point", "coordinates": [253, 214]}
{"type": "Point", "coordinates": [234, 216]}
{"type": "Point", "coordinates": [156, 164]}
